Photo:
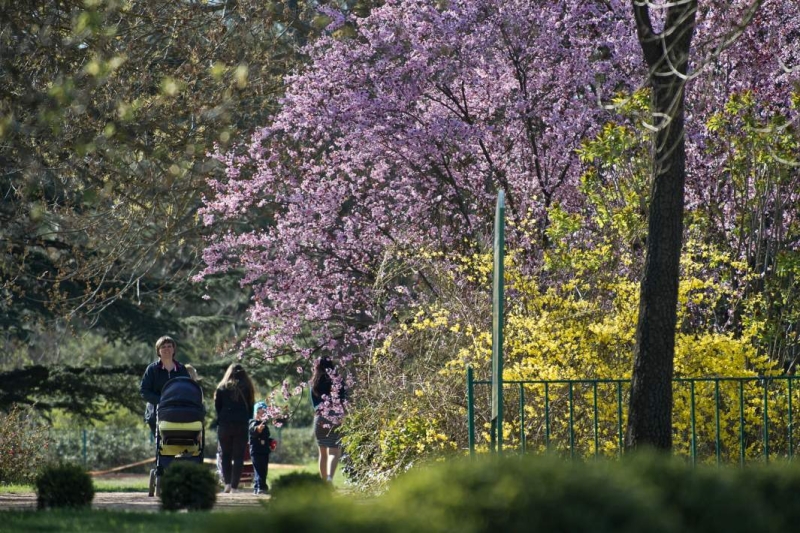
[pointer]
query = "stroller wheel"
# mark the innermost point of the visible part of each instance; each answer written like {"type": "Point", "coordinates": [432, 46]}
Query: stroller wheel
{"type": "Point", "coordinates": [152, 490]}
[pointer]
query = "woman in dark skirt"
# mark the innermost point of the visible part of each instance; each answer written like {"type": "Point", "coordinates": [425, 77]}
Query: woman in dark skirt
{"type": "Point", "coordinates": [325, 431]}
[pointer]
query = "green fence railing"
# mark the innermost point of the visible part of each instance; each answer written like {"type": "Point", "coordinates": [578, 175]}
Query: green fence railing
{"type": "Point", "coordinates": [714, 419]}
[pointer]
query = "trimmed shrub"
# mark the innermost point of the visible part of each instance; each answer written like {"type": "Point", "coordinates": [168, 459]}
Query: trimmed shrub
{"type": "Point", "coordinates": [527, 494]}
{"type": "Point", "coordinates": [64, 485]}
{"type": "Point", "coordinates": [23, 443]}
{"type": "Point", "coordinates": [305, 512]}
{"type": "Point", "coordinates": [704, 498]}
{"type": "Point", "coordinates": [777, 487]}
{"type": "Point", "coordinates": [643, 493]}
{"type": "Point", "coordinates": [188, 485]}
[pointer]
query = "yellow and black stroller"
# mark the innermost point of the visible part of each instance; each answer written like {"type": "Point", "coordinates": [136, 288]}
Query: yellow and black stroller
{"type": "Point", "coordinates": [180, 432]}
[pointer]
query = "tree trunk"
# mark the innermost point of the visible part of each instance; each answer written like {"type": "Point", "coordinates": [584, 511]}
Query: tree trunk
{"type": "Point", "coordinates": [650, 409]}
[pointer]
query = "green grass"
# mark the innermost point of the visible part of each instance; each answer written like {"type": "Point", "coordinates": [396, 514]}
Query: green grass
{"type": "Point", "coordinates": [15, 489]}
{"type": "Point", "coordinates": [131, 484]}
{"type": "Point", "coordinates": [101, 521]}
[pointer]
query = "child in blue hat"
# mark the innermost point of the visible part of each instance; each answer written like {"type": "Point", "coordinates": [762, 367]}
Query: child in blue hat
{"type": "Point", "coordinates": [260, 447]}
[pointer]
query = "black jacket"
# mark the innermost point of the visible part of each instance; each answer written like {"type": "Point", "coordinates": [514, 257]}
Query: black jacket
{"type": "Point", "coordinates": [153, 380]}
{"type": "Point", "coordinates": [259, 442]}
{"type": "Point", "coordinates": [232, 407]}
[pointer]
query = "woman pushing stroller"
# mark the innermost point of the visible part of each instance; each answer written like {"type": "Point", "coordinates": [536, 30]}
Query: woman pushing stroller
{"type": "Point", "coordinates": [156, 376]}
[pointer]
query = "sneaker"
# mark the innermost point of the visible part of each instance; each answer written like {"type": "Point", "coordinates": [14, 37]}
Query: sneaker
{"type": "Point", "coordinates": [227, 489]}
{"type": "Point", "coordinates": [232, 491]}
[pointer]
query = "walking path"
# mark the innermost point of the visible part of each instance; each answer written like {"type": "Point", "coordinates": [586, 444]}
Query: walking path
{"type": "Point", "coordinates": [132, 501]}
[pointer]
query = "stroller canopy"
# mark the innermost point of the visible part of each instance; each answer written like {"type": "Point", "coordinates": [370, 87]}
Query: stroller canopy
{"type": "Point", "coordinates": [181, 401]}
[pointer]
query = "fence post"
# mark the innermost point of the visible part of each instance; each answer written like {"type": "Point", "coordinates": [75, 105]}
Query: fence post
{"type": "Point", "coordinates": [791, 420]}
{"type": "Point", "coordinates": [522, 417]}
{"type": "Point", "coordinates": [497, 323]}
{"type": "Point", "coordinates": [718, 444]}
{"type": "Point", "coordinates": [693, 417]}
{"type": "Point", "coordinates": [766, 420]}
{"type": "Point", "coordinates": [470, 412]}
{"type": "Point", "coordinates": [741, 424]}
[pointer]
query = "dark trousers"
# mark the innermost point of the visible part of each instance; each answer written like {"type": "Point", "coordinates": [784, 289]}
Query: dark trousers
{"type": "Point", "coordinates": [232, 442]}
{"type": "Point", "coordinates": [260, 468]}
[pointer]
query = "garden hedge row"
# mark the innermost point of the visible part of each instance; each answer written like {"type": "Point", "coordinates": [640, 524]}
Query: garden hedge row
{"type": "Point", "coordinates": [546, 494]}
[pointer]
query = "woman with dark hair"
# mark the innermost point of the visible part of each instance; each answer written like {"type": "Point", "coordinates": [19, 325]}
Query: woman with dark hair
{"type": "Point", "coordinates": [233, 400]}
{"type": "Point", "coordinates": [325, 431]}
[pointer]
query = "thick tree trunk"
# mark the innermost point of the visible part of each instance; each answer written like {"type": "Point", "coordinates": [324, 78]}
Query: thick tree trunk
{"type": "Point", "coordinates": [650, 409]}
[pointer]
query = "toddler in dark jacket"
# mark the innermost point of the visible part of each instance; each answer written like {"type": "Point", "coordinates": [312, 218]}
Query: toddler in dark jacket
{"type": "Point", "coordinates": [260, 447]}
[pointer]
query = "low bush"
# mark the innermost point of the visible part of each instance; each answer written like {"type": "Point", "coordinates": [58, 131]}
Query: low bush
{"type": "Point", "coordinates": [188, 485]}
{"type": "Point", "coordinates": [776, 487]}
{"type": "Point", "coordinates": [703, 498]}
{"type": "Point", "coordinates": [307, 512]}
{"type": "Point", "coordinates": [527, 494]}
{"type": "Point", "coordinates": [63, 485]}
{"type": "Point", "coordinates": [547, 494]}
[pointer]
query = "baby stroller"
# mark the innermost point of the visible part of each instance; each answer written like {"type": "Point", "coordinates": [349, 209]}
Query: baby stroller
{"type": "Point", "coordinates": [180, 433]}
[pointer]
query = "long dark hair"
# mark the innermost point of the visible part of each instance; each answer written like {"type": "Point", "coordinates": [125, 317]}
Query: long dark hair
{"type": "Point", "coordinates": [321, 382]}
{"type": "Point", "coordinates": [236, 378]}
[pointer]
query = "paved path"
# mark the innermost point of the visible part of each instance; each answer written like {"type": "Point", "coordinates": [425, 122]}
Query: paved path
{"type": "Point", "coordinates": [132, 501]}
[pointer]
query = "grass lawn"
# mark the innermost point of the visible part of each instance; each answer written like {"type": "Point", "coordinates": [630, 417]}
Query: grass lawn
{"type": "Point", "coordinates": [102, 521]}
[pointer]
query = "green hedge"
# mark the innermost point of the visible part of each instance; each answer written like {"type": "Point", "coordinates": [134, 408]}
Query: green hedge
{"type": "Point", "coordinates": [546, 494]}
{"type": "Point", "coordinates": [296, 446]}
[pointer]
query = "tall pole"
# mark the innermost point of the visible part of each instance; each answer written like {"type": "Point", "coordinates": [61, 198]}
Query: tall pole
{"type": "Point", "coordinates": [497, 324]}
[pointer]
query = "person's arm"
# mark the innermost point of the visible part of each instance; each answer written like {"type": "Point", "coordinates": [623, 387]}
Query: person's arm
{"type": "Point", "coordinates": [218, 401]}
{"type": "Point", "coordinates": [147, 387]}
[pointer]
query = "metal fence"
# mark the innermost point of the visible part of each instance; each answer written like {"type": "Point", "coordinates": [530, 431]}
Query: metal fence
{"type": "Point", "coordinates": [715, 419]}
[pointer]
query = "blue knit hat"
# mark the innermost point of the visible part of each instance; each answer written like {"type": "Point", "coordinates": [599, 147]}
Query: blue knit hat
{"type": "Point", "coordinates": [257, 406]}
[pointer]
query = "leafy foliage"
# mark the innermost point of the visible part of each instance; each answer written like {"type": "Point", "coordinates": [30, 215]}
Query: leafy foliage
{"type": "Point", "coordinates": [89, 392]}
{"type": "Point", "coordinates": [108, 112]}
{"type": "Point", "coordinates": [392, 144]}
